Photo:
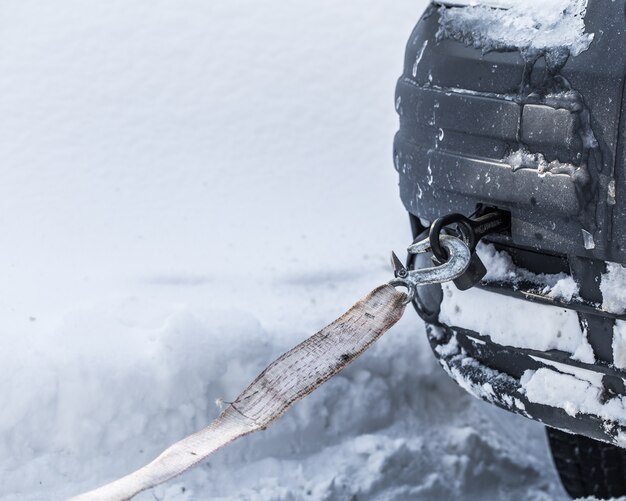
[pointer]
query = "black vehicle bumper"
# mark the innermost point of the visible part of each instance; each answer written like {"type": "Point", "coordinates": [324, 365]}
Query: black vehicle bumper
{"type": "Point", "coordinates": [464, 355]}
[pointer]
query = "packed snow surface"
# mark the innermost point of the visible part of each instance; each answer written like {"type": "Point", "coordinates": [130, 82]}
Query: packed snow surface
{"type": "Point", "coordinates": [189, 189]}
{"type": "Point", "coordinates": [529, 25]}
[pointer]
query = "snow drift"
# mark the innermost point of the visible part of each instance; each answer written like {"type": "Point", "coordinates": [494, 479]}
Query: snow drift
{"type": "Point", "coordinates": [188, 190]}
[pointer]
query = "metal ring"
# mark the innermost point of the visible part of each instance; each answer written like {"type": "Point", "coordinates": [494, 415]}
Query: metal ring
{"type": "Point", "coordinates": [434, 235]}
{"type": "Point", "coordinates": [409, 286]}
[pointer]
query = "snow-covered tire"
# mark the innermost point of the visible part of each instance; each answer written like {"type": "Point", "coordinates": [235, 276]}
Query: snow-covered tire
{"type": "Point", "coordinates": [588, 467]}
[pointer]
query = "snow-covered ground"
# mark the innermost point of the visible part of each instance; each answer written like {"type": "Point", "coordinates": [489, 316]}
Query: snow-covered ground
{"type": "Point", "coordinates": [187, 189]}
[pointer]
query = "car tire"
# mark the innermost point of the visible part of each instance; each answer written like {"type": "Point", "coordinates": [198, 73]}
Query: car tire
{"type": "Point", "coordinates": [588, 467]}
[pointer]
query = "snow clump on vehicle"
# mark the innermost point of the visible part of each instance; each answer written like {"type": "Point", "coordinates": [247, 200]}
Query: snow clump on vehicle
{"type": "Point", "coordinates": [532, 26]}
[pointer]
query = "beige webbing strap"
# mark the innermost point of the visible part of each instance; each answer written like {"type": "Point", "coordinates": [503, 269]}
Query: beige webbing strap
{"type": "Point", "coordinates": [292, 376]}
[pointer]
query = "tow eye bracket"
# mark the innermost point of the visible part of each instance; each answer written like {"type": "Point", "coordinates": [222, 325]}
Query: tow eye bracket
{"type": "Point", "coordinates": [483, 222]}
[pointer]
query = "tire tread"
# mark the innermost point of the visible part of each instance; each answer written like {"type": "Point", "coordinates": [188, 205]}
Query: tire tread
{"type": "Point", "coordinates": [588, 467]}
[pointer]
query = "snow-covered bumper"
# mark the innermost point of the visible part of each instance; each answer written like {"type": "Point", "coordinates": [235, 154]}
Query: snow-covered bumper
{"type": "Point", "coordinates": [555, 393]}
{"type": "Point", "coordinates": [523, 341]}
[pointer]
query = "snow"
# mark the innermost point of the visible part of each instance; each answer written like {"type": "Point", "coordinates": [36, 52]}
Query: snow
{"type": "Point", "coordinates": [526, 324]}
{"type": "Point", "coordinates": [502, 269]}
{"type": "Point", "coordinates": [523, 159]}
{"type": "Point", "coordinates": [613, 288]}
{"type": "Point", "coordinates": [619, 344]}
{"type": "Point", "coordinates": [573, 395]}
{"type": "Point", "coordinates": [593, 377]}
{"type": "Point", "coordinates": [420, 54]}
{"type": "Point", "coordinates": [392, 427]}
{"type": "Point", "coordinates": [532, 25]}
{"type": "Point", "coordinates": [452, 353]}
{"type": "Point", "coordinates": [188, 190]}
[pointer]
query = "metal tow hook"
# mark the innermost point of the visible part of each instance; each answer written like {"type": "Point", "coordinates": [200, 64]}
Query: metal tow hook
{"type": "Point", "coordinates": [459, 256]}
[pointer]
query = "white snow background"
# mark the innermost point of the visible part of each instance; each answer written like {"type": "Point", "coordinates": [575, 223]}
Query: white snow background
{"type": "Point", "coordinates": [188, 189]}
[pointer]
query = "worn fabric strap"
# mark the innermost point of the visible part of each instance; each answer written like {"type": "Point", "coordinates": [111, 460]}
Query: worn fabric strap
{"type": "Point", "coordinates": [289, 378]}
